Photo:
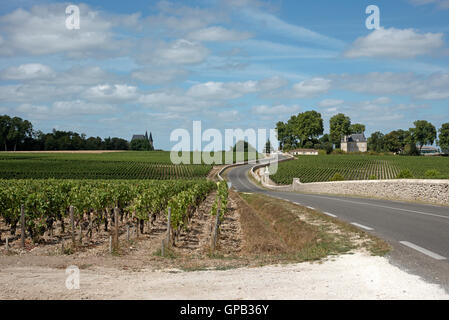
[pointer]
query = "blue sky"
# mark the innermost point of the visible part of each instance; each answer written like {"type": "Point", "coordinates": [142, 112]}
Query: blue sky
{"type": "Point", "coordinates": [158, 65]}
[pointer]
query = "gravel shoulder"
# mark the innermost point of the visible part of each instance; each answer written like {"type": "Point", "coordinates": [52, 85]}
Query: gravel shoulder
{"type": "Point", "coordinates": [354, 276]}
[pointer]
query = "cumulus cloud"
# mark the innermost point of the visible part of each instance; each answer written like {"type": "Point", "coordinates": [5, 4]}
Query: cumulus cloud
{"type": "Point", "coordinates": [41, 30]}
{"type": "Point", "coordinates": [395, 43]}
{"type": "Point", "coordinates": [311, 87]}
{"type": "Point", "coordinates": [330, 103]}
{"type": "Point", "coordinates": [63, 108]}
{"type": "Point", "coordinates": [27, 72]}
{"type": "Point", "coordinates": [219, 34]}
{"type": "Point", "coordinates": [233, 90]}
{"type": "Point", "coordinates": [430, 87]}
{"type": "Point", "coordinates": [275, 110]}
{"type": "Point", "coordinates": [178, 52]}
{"type": "Point", "coordinates": [107, 92]}
{"type": "Point", "coordinates": [154, 76]}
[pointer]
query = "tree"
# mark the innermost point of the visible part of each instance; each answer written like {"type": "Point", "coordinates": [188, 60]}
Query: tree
{"type": "Point", "coordinates": [307, 126]}
{"type": "Point", "coordinates": [357, 128]}
{"type": "Point", "coordinates": [281, 133]}
{"type": "Point", "coordinates": [339, 126]}
{"type": "Point", "coordinates": [140, 145]}
{"type": "Point", "coordinates": [392, 142]}
{"type": "Point", "coordinates": [268, 147]}
{"type": "Point", "coordinates": [286, 138]}
{"type": "Point", "coordinates": [5, 125]}
{"type": "Point", "coordinates": [423, 133]}
{"type": "Point", "coordinates": [443, 137]}
{"type": "Point", "coordinates": [376, 142]}
{"type": "Point", "coordinates": [18, 131]}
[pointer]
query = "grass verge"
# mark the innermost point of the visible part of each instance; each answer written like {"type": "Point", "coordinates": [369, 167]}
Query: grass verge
{"type": "Point", "coordinates": [277, 230]}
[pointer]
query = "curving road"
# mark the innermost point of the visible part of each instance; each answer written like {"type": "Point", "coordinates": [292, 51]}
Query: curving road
{"type": "Point", "coordinates": [418, 233]}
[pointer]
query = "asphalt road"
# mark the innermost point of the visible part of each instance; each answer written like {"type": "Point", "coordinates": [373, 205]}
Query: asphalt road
{"type": "Point", "coordinates": [418, 233]}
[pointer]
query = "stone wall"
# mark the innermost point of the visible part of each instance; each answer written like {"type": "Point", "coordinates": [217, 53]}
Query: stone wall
{"type": "Point", "coordinates": [423, 190]}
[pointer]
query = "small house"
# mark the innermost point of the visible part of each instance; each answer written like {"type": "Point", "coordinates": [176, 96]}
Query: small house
{"type": "Point", "coordinates": [304, 152]}
{"type": "Point", "coordinates": [354, 143]}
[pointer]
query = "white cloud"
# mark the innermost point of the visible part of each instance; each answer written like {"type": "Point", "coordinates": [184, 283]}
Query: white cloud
{"type": "Point", "coordinates": [443, 4]}
{"type": "Point", "coordinates": [431, 87]}
{"type": "Point", "coordinates": [63, 108]}
{"type": "Point", "coordinates": [176, 20]}
{"type": "Point", "coordinates": [275, 110]}
{"type": "Point", "coordinates": [41, 30]}
{"type": "Point", "coordinates": [178, 52]}
{"type": "Point", "coordinates": [155, 76]}
{"type": "Point", "coordinates": [233, 90]}
{"type": "Point", "coordinates": [272, 24]}
{"type": "Point", "coordinates": [228, 115]}
{"type": "Point", "coordinates": [311, 87]}
{"type": "Point", "coordinates": [107, 92]}
{"type": "Point", "coordinates": [330, 103]}
{"type": "Point", "coordinates": [79, 107]}
{"type": "Point", "coordinates": [219, 34]}
{"type": "Point", "coordinates": [27, 72]}
{"type": "Point", "coordinates": [395, 43]}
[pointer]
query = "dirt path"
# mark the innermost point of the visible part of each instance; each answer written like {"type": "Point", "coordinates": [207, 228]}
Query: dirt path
{"type": "Point", "coordinates": [356, 276]}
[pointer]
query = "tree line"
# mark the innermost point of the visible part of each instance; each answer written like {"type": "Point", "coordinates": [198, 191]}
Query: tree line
{"type": "Point", "coordinates": [18, 134]}
{"type": "Point", "coordinates": [306, 129]}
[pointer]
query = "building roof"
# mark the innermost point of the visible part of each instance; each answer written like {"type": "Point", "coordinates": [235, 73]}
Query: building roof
{"type": "Point", "coordinates": [429, 148]}
{"type": "Point", "coordinates": [358, 137]}
{"type": "Point", "coordinates": [303, 150]}
{"type": "Point", "coordinates": [138, 137]}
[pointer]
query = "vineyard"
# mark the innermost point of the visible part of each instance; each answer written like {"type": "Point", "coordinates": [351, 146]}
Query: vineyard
{"type": "Point", "coordinates": [119, 165]}
{"type": "Point", "coordinates": [359, 167]}
{"type": "Point", "coordinates": [88, 206]}
{"type": "Point", "coordinates": [43, 169]}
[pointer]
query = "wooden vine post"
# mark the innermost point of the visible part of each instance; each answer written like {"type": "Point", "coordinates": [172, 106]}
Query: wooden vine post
{"type": "Point", "coordinates": [72, 225]}
{"type": "Point", "coordinates": [116, 229]}
{"type": "Point", "coordinates": [22, 225]}
{"type": "Point", "coordinates": [168, 226]}
{"type": "Point", "coordinates": [215, 233]}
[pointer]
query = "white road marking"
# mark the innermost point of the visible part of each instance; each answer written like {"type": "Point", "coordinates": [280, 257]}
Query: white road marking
{"type": "Point", "coordinates": [381, 206]}
{"type": "Point", "coordinates": [311, 208]}
{"type": "Point", "coordinates": [422, 250]}
{"type": "Point", "coordinates": [361, 226]}
{"type": "Point", "coordinates": [330, 214]}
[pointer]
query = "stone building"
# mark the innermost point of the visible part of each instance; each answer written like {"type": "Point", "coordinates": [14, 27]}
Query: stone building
{"type": "Point", "coordinates": [354, 143]}
{"type": "Point", "coordinates": [144, 137]}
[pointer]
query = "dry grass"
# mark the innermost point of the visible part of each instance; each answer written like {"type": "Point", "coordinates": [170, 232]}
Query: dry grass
{"type": "Point", "coordinates": [282, 231]}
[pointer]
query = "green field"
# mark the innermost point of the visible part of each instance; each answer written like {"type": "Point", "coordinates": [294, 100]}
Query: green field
{"type": "Point", "coordinates": [359, 167]}
{"type": "Point", "coordinates": [115, 165]}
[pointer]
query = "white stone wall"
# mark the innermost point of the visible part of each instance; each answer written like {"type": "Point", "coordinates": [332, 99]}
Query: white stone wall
{"type": "Point", "coordinates": [430, 191]}
{"type": "Point", "coordinates": [422, 190]}
{"type": "Point", "coordinates": [354, 146]}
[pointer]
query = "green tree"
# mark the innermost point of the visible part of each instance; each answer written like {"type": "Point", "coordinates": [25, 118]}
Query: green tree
{"type": "Point", "coordinates": [18, 131]}
{"type": "Point", "coordinates": [423, 133]}
{"type": "Point", "coordinates": [392, 142]}
{"type": "Point", "coordinates": [268, 147]}
{"type": "Point", "coordinates": [281, 128]}
{"type": "Point", "coordinates": [443, 137]}
{"type": "Point", "coordinates": [376, 142]}
{"type": "Point", "coordinates": [307, 126]}
{"type": "Point", "coordinates": [357, 128]}
{"type": "Point", "coordinates": [5, 125]}
{"type": "Point", "coordinates": [339, 126]}
{"type": "Point", "coordinates": [138, 145]}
